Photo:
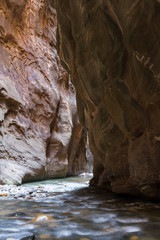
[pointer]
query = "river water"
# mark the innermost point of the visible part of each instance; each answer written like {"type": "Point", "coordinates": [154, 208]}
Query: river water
{"type": "Point", "coordinates": [68, 209]}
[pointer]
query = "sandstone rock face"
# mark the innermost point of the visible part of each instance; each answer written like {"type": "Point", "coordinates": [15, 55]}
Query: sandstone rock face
{"type": "Point", "coordinates": [37, 100]}
{"type": "Point", "coordinates": [112, 50]}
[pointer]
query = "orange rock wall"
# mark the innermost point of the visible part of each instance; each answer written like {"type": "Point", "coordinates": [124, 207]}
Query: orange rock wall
{"type": "Point", "coordinates": [37, 100]}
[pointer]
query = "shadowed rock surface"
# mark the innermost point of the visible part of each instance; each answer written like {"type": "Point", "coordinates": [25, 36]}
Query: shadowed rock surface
{"type": "Point", "coordinates": [39, 129]}
{"type": "Point", "coordinates": [112, 50]}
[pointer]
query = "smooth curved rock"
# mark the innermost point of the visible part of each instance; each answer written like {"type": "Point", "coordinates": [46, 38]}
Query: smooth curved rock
{"type": "Point", "coordinates": [112, 50]}
{"type": "Point", "coordinates": [37, 100]}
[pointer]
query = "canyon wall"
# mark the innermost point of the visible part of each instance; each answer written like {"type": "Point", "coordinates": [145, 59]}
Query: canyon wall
{"type": "Point", "coordinates": [112, 51]}
{"type": "Point", "coordinates": [40, 135]}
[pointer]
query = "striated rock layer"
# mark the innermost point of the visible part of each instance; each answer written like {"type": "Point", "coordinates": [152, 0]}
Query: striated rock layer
{"type": "Point", "coordinates": [40, 136]}
{"type": "Point", "coordinates": [112, 50]}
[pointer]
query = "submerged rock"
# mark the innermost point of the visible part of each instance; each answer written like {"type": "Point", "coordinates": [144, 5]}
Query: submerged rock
{"type": "Point", "coordinates": [37, 100]}
{"type": "Point", "coordinates": [42, 218]}
{"type": "Point", "coordinates": [112, 49]}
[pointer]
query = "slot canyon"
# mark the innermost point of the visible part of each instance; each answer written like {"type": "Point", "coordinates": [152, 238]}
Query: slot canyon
{"type": "Point", "coordinates": [79, 119]}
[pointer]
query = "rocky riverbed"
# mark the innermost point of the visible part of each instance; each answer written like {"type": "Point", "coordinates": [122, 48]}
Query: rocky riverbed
{"type": "Point", "coordinates": [66, 209]}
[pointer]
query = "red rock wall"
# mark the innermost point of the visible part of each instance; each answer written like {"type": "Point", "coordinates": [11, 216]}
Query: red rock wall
{"type": "Point", "coordinates": [37, 100]}
{"type": "Point", "coordinates": [112, 49]}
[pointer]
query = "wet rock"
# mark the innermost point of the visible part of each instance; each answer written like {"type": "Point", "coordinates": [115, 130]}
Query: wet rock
{"type": "Point", "coordinates": [17, 214]}
{"type": "Point", "coordinates": [17, 236]}
{"type": "Point", "coordinates": [42, 218]}
{"type": "Point", "coordinates": [37, 101]}
{"type": "Point", "coordinates": [112, 50]}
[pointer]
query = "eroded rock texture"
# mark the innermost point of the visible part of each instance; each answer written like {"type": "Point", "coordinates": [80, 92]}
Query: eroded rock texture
{"type": "Point", "coordinates": [37, 101]}
{"type": "Point", "coordinates": [112, 50]}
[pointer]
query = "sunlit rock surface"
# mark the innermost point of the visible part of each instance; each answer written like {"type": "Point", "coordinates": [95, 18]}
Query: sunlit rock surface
{"type": "Point", "coordinates": [37, 101]}
{"type": "Point", "coordinates": [112, 50]}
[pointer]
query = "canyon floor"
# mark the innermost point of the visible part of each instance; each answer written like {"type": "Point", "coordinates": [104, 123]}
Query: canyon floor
{"type": "Point", "coordinates": [69, 209]}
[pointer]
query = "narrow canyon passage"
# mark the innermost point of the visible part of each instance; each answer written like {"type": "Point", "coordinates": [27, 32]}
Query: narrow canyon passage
{"type": "Point", "coordinates": [66, 209]}
{"type": "Point", "coordinates": [79, 76]}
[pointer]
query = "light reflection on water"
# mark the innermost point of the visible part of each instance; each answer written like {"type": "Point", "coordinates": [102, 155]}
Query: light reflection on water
{"type": "Point", "coordinates": [76, 212]}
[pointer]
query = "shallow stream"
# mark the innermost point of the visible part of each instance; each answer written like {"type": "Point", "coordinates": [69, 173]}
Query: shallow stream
{"type": "Point", "coordinates": [68, 209]}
